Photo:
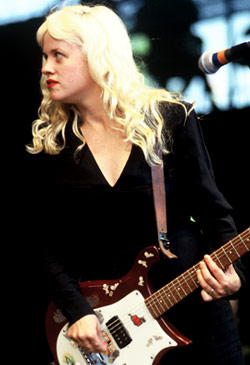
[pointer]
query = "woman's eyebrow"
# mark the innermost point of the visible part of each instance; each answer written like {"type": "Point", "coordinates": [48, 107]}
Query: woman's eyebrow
{"type": "Point", "coordinates": [52, 51]}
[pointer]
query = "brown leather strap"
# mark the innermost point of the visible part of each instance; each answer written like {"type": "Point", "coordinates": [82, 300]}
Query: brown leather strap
{"type": "Point", "coordinates": [159, 195]}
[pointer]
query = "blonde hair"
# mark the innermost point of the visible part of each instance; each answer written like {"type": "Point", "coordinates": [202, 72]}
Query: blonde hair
{"type": "Point", "coordinates": [127, 100]}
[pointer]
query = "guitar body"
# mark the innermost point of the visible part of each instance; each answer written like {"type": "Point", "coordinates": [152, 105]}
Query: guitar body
{"type": "Point", "coordinates": [130, 312]}
{"type": "Point", "coordinates": [133, 335]}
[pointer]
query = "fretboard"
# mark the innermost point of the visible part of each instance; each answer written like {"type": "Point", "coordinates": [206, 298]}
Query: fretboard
{"type": "Point", "coordinates": [179, 288]}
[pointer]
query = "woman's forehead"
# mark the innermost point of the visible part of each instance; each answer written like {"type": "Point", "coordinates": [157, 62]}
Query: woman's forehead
{"type": "Point", "coordinates": [51, 43]}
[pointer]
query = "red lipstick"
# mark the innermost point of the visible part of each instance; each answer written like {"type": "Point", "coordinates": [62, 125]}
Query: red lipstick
{"type": "Point", "coordinates": [51, 83]}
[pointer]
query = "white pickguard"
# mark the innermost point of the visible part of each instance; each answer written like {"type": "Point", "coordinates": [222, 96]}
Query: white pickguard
{"type": "Point", "coordinates": [148, 338]}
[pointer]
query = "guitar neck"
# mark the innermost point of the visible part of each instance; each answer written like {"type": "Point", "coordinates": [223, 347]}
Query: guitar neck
{"type": "Point", "coordinates": [172, 293]}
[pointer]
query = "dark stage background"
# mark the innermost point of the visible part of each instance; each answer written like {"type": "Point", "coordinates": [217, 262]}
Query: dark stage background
{"type": "Point", "coordinates": [226, 134]}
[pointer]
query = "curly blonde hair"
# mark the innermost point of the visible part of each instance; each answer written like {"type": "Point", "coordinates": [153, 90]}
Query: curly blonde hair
{"type": "Point", "coordinates": [127, 100]}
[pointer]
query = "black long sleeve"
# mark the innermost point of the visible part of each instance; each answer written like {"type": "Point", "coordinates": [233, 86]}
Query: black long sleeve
{"type": "Point", "coordinates": [97, 226]}
{"type": "Point", "coordinates": [200, 194]}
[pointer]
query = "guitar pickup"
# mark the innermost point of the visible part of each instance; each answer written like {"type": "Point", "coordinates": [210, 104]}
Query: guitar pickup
{"type": "Point", "coordinates": [119, 332]}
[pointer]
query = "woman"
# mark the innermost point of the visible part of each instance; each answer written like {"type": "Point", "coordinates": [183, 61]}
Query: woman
{"type": "Point", "coordinates": [103, 123]}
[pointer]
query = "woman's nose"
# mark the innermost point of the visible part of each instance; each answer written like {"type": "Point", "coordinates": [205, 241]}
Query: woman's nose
{"type": "Point", "coordinates": [48, 68]}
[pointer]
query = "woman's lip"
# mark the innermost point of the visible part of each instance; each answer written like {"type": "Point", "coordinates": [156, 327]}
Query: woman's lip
{"type": "Point", "coordinates": [51, 83]}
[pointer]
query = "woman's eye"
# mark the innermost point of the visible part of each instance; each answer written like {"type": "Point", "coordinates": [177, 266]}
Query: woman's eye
{"type": "Point", "coordinates": [58, 55]}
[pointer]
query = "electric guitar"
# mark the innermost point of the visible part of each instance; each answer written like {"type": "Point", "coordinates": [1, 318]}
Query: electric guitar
{"type": "Point", "coordinates": [130, 312]}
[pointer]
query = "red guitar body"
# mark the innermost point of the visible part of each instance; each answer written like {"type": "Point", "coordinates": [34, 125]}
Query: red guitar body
{"type": "Point", "coordinates": [107, 292]}
{"type": "Point", "coordinates": [130, 312]}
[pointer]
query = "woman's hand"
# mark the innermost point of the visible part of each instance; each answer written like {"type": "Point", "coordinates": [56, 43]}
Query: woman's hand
{"type": "Point", "coordinates": [215, 282]}
{"type": "Point", "coordinates": [87, 333]}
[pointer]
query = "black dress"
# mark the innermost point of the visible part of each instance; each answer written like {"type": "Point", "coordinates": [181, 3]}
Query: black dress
{"type": "Point", "coordinates": [96, 231]}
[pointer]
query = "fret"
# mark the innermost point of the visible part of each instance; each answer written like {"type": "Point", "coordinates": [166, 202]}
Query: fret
{"type": "Point", "coordinates": [168, 294]}
{"type": "Point", "coordinates": [227, 255]}
{"type": "Point", "coordinates": [186, 282]}
{"type": "Point", "coordinates": [172, 293]}
{"type": "Point", "coordinates": [196, 283]}
{"type": "Point", "coordinates": [177, 291]}
{"type": "Point", "coordinates": [217, 258]}
{"type": "Point", "coordinates": [164, 301]}
{"type": "Point", "coordinates": [169, 299]}
{"type": "Point", "coordinates": [181, 287]}
{"type": "Point", "coordinates": [154, 306]}
{"type": "Point", "coordinates": [154, 312]}
{"type": "Point", "coordinates": [230, 252]}
{"type": "Point", "coordinates": [153, 303]}
{"type": "Point", "coordinates": [166, 304]}
{"type": "Point", "coordinates": [160, 301]}
{"type": "Point", "coordinates": [237, 253]}
{"type": "Point", "coordinates": [243, 242]}
{"type": "Point", "coordinates": [157, 303]}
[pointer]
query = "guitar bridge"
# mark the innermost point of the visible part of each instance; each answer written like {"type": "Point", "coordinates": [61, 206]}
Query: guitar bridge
{"type": "Point", "coordinates": [92, 358]}
{"type": "Point", "coordinates": [119, 332]}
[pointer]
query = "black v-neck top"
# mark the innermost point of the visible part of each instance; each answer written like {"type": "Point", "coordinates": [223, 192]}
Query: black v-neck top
{"type": "Point", "coordinates": [95, 230]}
{"type": "Point", "coordinates": [108, 220]}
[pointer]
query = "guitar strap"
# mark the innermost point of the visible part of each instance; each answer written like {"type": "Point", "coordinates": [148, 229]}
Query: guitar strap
{"type": "Point", "coordinates": [159, 195]}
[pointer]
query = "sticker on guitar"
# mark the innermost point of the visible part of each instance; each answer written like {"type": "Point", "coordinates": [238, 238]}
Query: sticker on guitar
{"type": "Point", "coordinates": [131, 317]}
{"type": "Point", "coordinates": [130, 338]}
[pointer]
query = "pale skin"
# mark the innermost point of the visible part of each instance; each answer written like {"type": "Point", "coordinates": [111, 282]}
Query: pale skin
{"type": "Point", "coordinates": [73, 84]}
{"type": "Point", "coordinates": [216, 283]}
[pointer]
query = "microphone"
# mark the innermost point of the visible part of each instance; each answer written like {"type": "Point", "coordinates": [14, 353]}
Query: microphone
{"type": "Point", "coordinates": [211, 62]}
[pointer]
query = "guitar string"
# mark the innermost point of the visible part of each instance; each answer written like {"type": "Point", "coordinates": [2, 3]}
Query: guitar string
{"type": "Point", "coordinates": [124, 319]}
{"type": "Point", "coordinates": [153, 300]}
{"type": "Point", "coordinates": [132, 328]}
{"type": "Point", "coordinates": [181, 280]}
{"type": "Point", "coordinates": [143, 309]}
{"type": "Point", "coordinates": [162, 293]}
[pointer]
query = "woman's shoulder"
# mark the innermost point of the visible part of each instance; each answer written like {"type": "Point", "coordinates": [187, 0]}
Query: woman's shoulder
{"type": "Point", "coordinates": [175, 113]}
